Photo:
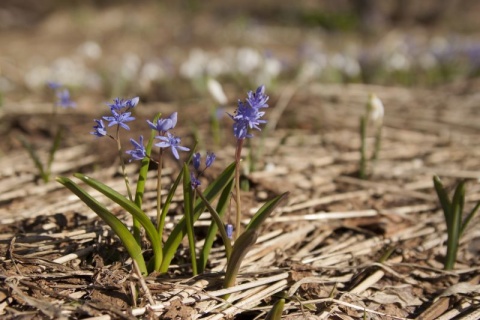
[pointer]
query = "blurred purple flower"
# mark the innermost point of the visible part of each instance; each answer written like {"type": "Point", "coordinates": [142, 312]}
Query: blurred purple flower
{"type": "Point", "coordinates": [64, 99]}
{"type": "Point", "coordinates": [173, 142]}
{"type": "Point", "coordinates": [54, 85]}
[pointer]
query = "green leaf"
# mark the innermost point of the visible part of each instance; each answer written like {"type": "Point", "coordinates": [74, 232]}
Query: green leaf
{"type": "Point", "coordinates": [177, 234]}
{"type": "Point", "coordinates": [240, 248]}
{"type": "Point", "coordinates": [469, 218]}
{"type": "Point", "coordinates": [222, 206]}
{"type": "Point", "coordinates": [117, 226]}
{"type": "Point", "coordinates": [134, 210]}
{"type": "Point", "coordinates": [188, 208]}
{"type": "Point", "coordinates": [264, 212]}
{"type": "Point", "coordinates": [444, 200]}
{"type": "Point", "coordinates": [455, 227]}
{"type": "Point", "coordinates": [142, 178]}
{"type": "Point", "coordinates": [276, 312]}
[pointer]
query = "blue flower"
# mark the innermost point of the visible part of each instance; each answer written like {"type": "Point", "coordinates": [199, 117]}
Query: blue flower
{"type": "Point", "coordinates": [247, 116]}
{"type": "Point", "coordinates": [194, 181]}
{"type": "Point", "coordinates": [119, 119]}
{"type": "Point", "coordinates": [64, 99]}
{"type": "Point", "coordinates": [196, 161]}
{"type": "Point", "coordinates": [210, 159]}
{"type": "Point", "coordinates": [163, 125]}
{"type": "Point", "coordinates": [173, 142]}
{"type": "Point", "coordinates": [139, 152]}
{"type": "Point", "coordinates": [119, 103]}
{"type": "Point", "coordinates": [258, 99]}
{"type": "Point", "coordinates": [100, 130]}
{"type": "Point", "coordinates": [229, 229]}
{"type": "Point", "coordinates": [240, 130]}
{"type": "Point", "coordinates": [54, 85]}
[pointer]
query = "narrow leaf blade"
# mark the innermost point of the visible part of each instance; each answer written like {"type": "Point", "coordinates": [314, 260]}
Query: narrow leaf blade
{"type": "Point", "coordinates": [117, 226]}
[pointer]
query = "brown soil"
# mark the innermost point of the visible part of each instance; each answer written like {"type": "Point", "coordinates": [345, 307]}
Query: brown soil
{"type": "Point", "coordinates": [322, 249]}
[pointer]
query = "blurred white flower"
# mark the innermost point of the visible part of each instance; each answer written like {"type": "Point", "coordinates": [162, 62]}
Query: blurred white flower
{"type": "Point", "coordinates": [90, 49]}
{"type": "Point", "coordinates": [375, 108]}
{"type": "Point", "coordinates": [216, 91]}
{"type": "Point", "coordinates": [194, 66]}
{"type": "Point", "coordinates": [37, 77]}
{"type": "Point", "coordinates": [270, 69]}
{"type": "Point", "coordinates": [151, 71]}
{"type": "Point", "coordinates": [248, 60]}
{"type": "Point", "coordinates": [130, 66]}
{"type": "Point", "coordinates": [216, 66]}
{"type": "Point", "coordinates": [312, 68]}
{"type": "Point", "coordinates": [397, 62]}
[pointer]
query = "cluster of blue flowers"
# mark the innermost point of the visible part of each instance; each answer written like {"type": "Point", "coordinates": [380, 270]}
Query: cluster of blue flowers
{"type": "Point", "coordinates": [121, 114]}
{"type": "Point", "coordinates": [248, 113]}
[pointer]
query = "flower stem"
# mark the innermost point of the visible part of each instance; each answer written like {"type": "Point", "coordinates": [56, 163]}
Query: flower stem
{"type": "Point", "coordinates": [238, 153]}
{"type": "Point", "coordinates": [160, 217]}
{"type": "Point", "coordinates": [136, 224]}
{"type": "Point", "coordinates": [122, 163]}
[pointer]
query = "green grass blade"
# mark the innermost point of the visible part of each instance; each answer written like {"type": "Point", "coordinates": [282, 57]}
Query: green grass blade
{"type": "Point", "coordinates": [188, 208]}
{"type": "Point", "coordinates": [469, 218]}
{"type": "Point", "coordinates": [134, 210]}
{"type": "Point", "coordinates": [177, 234]}
{"type": "Point", "coordinates": [276, 312]}
{"type": "Point", "coordinates": [35, 158]}
{"type": "Point", "coordinates": [263, 213]}
{"type": "Point", "coordinates": [456, 225]}
{"type": "Point", "coordinates": [222, 206]}
{"type": "Point", "coordinates": [444, 200]}
{"type": "Point", "coordinates": [56, 144]}
{"type": "Point", "coordinates": [240, 248]}
{"type": "Point", "coordinates": [142, 178]}
{"type": "Point", "coordinates": [117, 226]}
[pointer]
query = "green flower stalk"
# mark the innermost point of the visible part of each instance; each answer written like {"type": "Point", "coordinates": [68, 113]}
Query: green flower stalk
{"type": "Point", "coordinates": [247, 116]}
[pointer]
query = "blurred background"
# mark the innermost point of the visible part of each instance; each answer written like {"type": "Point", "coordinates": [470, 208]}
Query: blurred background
{"type": "Point", "coordinates": [166, 50]}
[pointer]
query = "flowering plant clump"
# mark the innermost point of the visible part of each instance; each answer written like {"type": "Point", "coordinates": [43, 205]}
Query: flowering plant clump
{"type": "Point", "coordinates": [63, 100]}
{"type": "Point", "coordinates": [196, 198]}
